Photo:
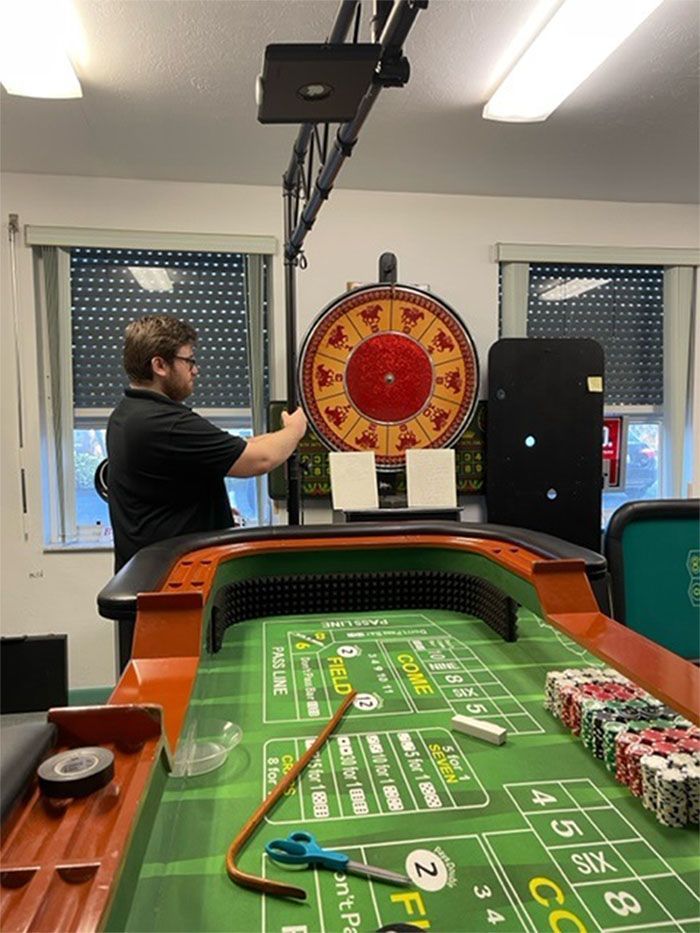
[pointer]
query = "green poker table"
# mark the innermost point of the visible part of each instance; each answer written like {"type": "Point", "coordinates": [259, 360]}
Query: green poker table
{"type": "Point", "coordinates": [270, 630]}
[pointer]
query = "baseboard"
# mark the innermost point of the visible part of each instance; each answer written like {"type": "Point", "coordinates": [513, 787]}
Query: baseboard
{"type": "Point", "coordinates": [89, 696]}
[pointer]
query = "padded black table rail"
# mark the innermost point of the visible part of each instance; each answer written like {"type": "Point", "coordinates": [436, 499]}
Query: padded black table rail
{"type": "Point", "coordinates": [147, 570]}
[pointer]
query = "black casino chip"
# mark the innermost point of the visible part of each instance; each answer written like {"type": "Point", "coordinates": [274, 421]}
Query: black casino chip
{"type": "Point", "coordinates": [77, 772]}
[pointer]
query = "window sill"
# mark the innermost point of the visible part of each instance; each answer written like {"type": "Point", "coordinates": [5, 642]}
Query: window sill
{"type": "Point", "coordinates": [78, 547]}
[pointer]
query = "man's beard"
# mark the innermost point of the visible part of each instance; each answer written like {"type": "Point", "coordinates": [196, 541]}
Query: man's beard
{"type": "Point", "coordinates": [176, 389]}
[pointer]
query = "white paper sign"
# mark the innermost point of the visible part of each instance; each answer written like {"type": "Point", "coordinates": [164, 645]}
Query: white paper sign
{"type": "Point", "coordinates": [431, 479]}
{"type": "Point", "coordinates": [353, 480]}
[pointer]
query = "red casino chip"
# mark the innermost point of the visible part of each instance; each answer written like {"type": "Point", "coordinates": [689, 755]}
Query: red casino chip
{"type": "Point", "coordinates": [387, 368]}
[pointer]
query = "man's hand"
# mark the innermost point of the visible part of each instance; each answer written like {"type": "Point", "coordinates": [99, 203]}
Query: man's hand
{"type": "Point", "coordinates": [264, 452]}
{"type": "Point", "coordinates": [296, 421]}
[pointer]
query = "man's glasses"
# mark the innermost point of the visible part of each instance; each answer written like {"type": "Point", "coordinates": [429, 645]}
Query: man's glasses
{"type": "Point", "coordinates": [190, 360]}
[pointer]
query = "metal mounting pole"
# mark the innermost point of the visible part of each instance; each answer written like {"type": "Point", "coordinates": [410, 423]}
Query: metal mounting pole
{"type": "Point", "coordinates": [290, 182]}
{"type": "Point", "coordinates": [390, 26]}
{"type": "Point", "coordinates": [293, 470]}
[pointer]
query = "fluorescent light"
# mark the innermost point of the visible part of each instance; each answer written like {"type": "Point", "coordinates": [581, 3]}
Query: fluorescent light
{"type": "Point", "coordinates": [577, 39]}
{"type": "Point", "coordinates": [565, 290]}
{"type": "Point", "coordinates": [152, 279]}
{"type": "Point", "coordinates": [39, 37]}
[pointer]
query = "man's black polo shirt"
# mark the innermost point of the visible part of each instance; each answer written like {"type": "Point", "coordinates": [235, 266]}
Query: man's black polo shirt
{"type": "Point", "coordinates": [166, 470]}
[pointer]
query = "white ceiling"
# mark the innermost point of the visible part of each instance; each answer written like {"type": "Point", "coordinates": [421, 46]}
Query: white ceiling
{"type": "Point", "coordinates": [169, 94]}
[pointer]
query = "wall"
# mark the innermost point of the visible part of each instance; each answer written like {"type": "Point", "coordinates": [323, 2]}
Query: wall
{"type": "Point", "coordinates": [441, 240]}
{"type": "Point", "coordinates": [693, 467]}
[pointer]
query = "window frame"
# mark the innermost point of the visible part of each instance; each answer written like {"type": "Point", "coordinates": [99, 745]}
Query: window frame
{"type": "Point", "coordinates": [680, 284]}
{"type": "Point", "coordinates": [61, 531]}
{"type": "Point", "coordinates": [234, 420]}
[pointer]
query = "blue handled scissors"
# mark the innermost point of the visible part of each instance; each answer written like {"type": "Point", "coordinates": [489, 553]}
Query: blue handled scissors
{"type": "Point", "coordinates": [301, 848]}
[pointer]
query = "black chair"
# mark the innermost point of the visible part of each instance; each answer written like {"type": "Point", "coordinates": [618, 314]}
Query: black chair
{"type": "Point", "coordinates": [24, 746]}
{"type": "Point", "coordinates": [101, 480]}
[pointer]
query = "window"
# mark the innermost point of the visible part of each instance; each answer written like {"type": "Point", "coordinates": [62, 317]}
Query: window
{"type": "Point", "coordinates": [622, 308]}
{"type": "Point", "coordinates": [89, 296]}
{"type": "Point", "coordinates": [641, 473]}
{"type": "Point", "coordinates": [91, 512]}
{"type": "Point", "coordinates": [640, 313]}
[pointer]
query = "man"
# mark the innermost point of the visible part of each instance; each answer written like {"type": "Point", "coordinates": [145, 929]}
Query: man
{"type": "Point", "coordinates": [166, 463]}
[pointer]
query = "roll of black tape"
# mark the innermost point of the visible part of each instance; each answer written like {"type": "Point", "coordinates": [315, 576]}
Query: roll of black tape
{"type": "Point", "coordinates": [77, 772]}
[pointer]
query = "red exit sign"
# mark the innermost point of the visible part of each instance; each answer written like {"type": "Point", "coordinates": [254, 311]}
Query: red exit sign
{"type": "Point", "coordinates": [612, 451]}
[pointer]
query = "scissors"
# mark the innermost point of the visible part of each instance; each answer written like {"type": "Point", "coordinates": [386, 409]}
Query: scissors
{"type": "Point", "coordinates": [301, 848]}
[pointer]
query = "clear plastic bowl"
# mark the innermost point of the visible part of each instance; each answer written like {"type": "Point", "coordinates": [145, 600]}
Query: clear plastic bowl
{"type": "Point", "coordinates": [204, 746]}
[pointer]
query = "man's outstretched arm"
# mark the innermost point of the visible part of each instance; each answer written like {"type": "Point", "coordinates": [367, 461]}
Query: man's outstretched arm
{"type": "Point", "coordinates": [267, 451]}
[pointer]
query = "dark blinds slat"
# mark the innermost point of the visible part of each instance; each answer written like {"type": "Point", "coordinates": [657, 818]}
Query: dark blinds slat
{"type": "Point", "coordinates": [208, 291]}
{"type": "Point", "coordinates": [624, 313]}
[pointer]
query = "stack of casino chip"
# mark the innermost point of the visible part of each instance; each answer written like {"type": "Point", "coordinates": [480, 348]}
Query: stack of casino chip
{"type": "Point", "coordinates": [611, 730]}
{"type": "Point", "coordinates": [671, 787]}
{"type": "Point", "coordinates": [597, 714]}
{"type": "Point", "coordinates": [660, 763]}
{"type": "Point", "coordinates": [643, 745]}
{"type": "Point", "coordinates": [651, 765]}
{"type": "Point", "coordinates": [671, 798]}
{"type": "Point", "coordinates": [646, 745]}
{"type": "Point", "coordinates": [576, 698]}
{"type": "Point", "coordinates": [692, 772]}
{"type": "Point", "coordinates": [562, 688]}
{"type": "Point", "coordinates": [567, 692]}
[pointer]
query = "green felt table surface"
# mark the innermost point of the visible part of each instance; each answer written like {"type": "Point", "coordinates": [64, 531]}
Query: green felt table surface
{"type": "Point", "coordinates": [531, 835]}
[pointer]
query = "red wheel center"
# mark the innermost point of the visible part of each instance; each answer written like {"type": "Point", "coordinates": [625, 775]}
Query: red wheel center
{"type": "Point", "coordinates": [389, 378]}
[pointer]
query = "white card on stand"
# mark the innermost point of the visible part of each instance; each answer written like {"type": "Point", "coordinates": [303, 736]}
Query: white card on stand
{"type": "Point", "coordinates": [353, 480]}
{"type": "Point", "coordinates": [431, 479]}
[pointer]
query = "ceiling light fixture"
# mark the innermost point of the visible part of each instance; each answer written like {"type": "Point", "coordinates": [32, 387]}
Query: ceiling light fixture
{"type": "Point", "coordinates": [39, 38]}
{"type": "Point", "coordinates": [577, 39]}
{"type": "Point", "coordinates": [152, 279]}
{"type": "Point", "coordinates": [571, 289]}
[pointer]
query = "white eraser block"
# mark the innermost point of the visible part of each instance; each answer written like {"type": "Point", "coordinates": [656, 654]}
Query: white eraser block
{"type": "Point", "coordinates": [431, 479]}
{"type": "Point", "coordinates": [479, 729]}
{"type": "Point", "coordinates": [354, 480]}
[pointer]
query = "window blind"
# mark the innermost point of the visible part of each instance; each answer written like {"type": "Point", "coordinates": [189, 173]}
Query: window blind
{"type": "Point", "coordinates": [619, 306]}
{"type": "Point", "coordinates": [206, 289]}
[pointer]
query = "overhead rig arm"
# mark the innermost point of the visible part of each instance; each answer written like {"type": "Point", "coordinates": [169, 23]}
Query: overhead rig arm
{"type": "Point", "coordinates": [392, 71]}
{"type": "Point", "coordinates": [341, 26]}
{"type": "Point", "coordinates": [295, 181]}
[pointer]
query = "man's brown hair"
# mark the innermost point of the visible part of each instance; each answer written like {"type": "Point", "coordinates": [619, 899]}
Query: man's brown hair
{"type": "Point", "coordinates": [154, 335]}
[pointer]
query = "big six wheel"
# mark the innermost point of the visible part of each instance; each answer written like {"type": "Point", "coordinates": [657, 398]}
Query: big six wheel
{"type": "Point", "coordinates": [386, 368]}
